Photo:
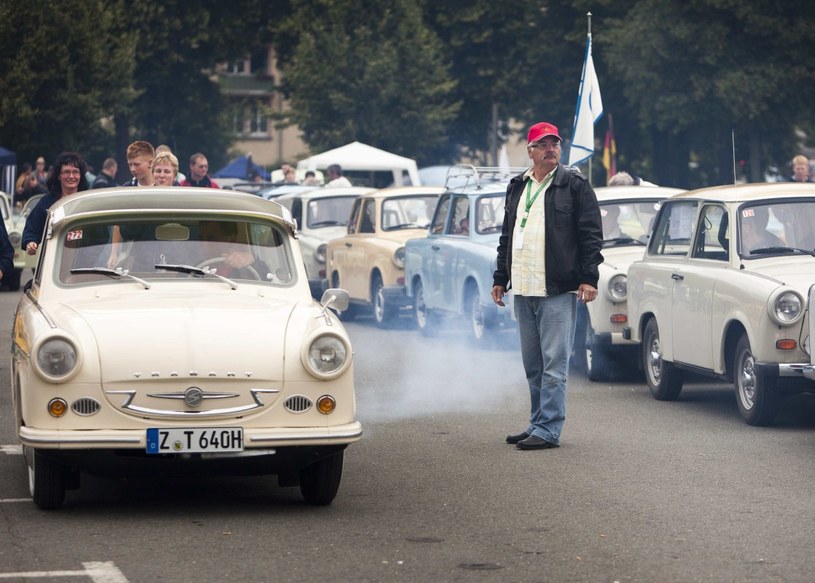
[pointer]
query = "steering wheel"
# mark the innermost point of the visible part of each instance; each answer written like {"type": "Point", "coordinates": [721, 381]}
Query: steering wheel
{"type": "Point", "coordinates": [214, 260]}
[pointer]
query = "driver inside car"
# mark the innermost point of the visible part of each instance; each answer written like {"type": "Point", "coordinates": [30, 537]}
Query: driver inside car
{"type": "Point", "coordinates": [224, 252]}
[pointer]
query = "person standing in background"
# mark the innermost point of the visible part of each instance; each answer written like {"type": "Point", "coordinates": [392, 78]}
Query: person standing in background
{"type": "Point", "coordinates": [107, 177]}
{"type": "Point", "coordinates": [800, 169]}
{"type": "Point", "coordinates": [549, 250]}
{"type": "Point", "coordinates": [199, 168]}
{"type": "Point", "coordinates": [335, 177]}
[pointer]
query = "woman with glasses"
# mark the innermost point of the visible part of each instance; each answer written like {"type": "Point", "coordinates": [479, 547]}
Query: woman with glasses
{"type": "Point", "coordinates": [67, 177]}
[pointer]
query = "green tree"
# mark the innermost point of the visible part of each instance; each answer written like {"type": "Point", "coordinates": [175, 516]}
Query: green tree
{"type": "Point", "coordinates": [372, 72]}
{"type": "Point", "coordinates": [62, 74]}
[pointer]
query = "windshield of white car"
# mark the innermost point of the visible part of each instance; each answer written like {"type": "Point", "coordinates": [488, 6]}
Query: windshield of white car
{"type": "Point", "coordinates": [237, 249]}
{"type": "Point", "coordinates": [628, 222]}
{"type": "Point", "coordinates": [329, 211]}
{"type": "Point", "coordinates": [407, 212]}
{"type": "Point", "coordinates": [776, 228]}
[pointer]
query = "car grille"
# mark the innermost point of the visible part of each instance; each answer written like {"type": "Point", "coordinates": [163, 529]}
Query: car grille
{"type": "Point", "coordinates": [298, 404]}
{"type": "Point", "coordinates": [85, 406]}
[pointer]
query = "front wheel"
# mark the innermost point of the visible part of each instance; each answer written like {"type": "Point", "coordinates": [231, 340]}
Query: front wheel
{"type": "Point", "coordinates": [320, 482]}
{"type": "Point", "coordinates": [596, 357]}
{"type": "Point", "coordinates": [46, 481]}
{"type": "Point", "coordinates": [664, 379]}
{"type": "Point", "coordinates": [482, 321]}
{"type": "Point", "coordinates": [383, 312]}
{"type": "Point", "coordinates": [426, 320]}
{"type": "Point", "coordinates": [756, 395]}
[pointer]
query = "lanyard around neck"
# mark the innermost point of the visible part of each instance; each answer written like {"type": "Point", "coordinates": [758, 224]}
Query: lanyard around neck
{"type": "Point", "coordinates": [531, 198]}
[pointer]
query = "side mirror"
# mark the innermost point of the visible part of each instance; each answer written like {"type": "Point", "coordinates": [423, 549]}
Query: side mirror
{"type": "Point", "coordinates": [335, 298]}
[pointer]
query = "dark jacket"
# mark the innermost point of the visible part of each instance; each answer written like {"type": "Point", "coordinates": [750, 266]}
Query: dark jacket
{"type": "Point", "coordinates": [35, 223]}
{"type": "Point", "coordinates": [104, 181]}
{"type": "Point", "coordinates": [574, 232]}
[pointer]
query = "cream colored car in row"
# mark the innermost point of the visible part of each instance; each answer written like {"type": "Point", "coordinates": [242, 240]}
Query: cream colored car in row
{"type": "Point", "coordinates": [726, 288]}
{"type": "Point", "coordinates": [191, 347]}
{"type": "Point", "coordinates": [369, 261]}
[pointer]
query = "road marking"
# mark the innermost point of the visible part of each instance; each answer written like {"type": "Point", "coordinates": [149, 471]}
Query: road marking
{"type": "Point", "coordinates": [11, 449]}
{"type": "Point", "coordinates": [98, 572]}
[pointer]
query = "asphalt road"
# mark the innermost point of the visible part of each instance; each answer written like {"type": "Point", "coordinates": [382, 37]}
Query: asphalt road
{"type": "Point", "coordinates": [640, 490]}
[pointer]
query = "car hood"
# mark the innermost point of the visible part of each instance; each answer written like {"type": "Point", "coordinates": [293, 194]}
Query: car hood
{"type": "Point", "coordinates": [797, 271]}
{"type": "Point", "coordinates": [211, 335]}
{"type": "Point", "coordinates": [620, 258]}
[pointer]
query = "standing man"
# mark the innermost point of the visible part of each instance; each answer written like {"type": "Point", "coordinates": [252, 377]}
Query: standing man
{"type": "Point", "coordinates": [335, 177]}
{"type": "Point", "coordinates": [199, 166]}
{"type": "Point", "coordinates": [549, 249]}
{"type": "Point", "coordinates": [107, 177]}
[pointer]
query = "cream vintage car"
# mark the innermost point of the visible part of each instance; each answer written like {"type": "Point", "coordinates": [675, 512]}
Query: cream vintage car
{"type": "Point", "coordinates": [726, 288]}
{"type": "Point", "coordinates": [15, 223]}
{"type": "Point", "coordinates": [321, 215]}
{"type": "Point", "coordinates": [628, 213]}
{"type": "Point", "coordinates": [193, 346]}
{"type": "Point", "coordinates": [369, 261]}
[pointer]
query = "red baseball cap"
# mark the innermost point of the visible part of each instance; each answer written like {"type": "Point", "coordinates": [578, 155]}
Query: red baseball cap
{"type": "Point", "coordinates": [540, 130]}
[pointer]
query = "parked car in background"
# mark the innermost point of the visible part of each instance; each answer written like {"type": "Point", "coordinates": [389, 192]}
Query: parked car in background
{"type": "Point", "coordinates": [321, 215]}
{"type": "Point", "coordinates": [726, 288]}
{"type": "Point", "coordinates": [274, 191]}
{"type": "Point", "coordinates": [15, 223]}
{"type": "Point", "coordinates": [201, 353]}
{"type": "Point", "coordinates": [369, 261]}
{"type": "Point", "coordinates": [250, 187]}
{"type": "Point", "coordinates": [448, 274]}
{"type": "Point", "coordinates": [628, 214]}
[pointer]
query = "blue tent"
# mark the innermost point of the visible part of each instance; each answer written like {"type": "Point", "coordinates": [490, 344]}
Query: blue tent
{"type": "Point", "coordinates": [240, 167]}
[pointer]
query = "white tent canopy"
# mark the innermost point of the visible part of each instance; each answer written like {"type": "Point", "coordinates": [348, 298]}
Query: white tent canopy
{"type": "Point", "coordinates": [357, 157]}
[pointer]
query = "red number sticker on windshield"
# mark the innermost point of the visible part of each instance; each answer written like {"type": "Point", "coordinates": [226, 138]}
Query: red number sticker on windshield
{"type": "Point", "coordinates": [73, 235]}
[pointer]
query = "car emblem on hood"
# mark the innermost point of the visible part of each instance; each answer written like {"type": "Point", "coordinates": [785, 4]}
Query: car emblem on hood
{"type": "Point", "coordinates": [193, 396]}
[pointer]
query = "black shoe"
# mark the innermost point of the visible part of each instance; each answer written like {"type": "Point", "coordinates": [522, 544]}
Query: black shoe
{"type": "Point", "coordinates": [535, 442]}
{"type": "Point", "coordinates": [513, 439]}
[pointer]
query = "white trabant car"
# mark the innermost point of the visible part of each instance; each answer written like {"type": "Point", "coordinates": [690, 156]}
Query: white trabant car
{"type": "Point", "coordinates": [369, 261]}
{"type": "Point", "coordinates": [726, 288]}
{"type": "Point", "coordinates": [192, 347]}
{"type": "Point", "coordinates": [321, 216]}
{"type": "Point", "coordinates": [15, 223]}
{"type": "Point", "coordinates": [628, 213]}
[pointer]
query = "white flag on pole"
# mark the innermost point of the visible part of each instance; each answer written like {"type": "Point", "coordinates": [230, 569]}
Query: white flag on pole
{"type": "Point", "coordinates": [588, 112]}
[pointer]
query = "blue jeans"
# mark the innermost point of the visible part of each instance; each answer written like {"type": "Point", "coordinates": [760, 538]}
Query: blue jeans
{"type": "Point", "coordinates": [546, 326]}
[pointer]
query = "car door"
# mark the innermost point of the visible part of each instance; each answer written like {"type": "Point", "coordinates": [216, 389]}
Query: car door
{"type": "Point", "coordinates": [430, 247]}
{"type": "Point", "coordinates": [695, 289]}
{"type": "Point", "coordinates": [356, 252]}
{"type": "Point", "coordinates": [446, 265]}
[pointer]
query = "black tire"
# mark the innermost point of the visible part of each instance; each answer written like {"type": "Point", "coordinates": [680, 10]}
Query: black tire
{"type": "Point", "coordinates": [349, 314]}
{"type": "Point", "coordinates": [383, 312]}
{"type": "Point", "coordinates": [46, 481]}
{"type": "Point", "coordinates": [663, 378]}
{"type": "Point", "coordinates": [426, 320]}
{"type": "Point", "coordinates": [757, 395]}
{"type": "Point", "coordinates": [578, 357]}
{"type": "Point", "coordinates": [320, 482]}
{"type": "Point", "coordinates": [481, 321]}
{"type": "Point", "coordinates": [598, 363]}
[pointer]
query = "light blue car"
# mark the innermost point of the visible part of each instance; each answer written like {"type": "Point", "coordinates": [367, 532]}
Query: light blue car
{"type": "Point", "coordinates": [449, 273]}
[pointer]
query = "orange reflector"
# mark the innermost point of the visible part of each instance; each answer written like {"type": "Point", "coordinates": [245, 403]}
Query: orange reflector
{"type": "Point", "coordinates": [326, 404]}
{"type": "Point", "coordinates": [619, 318]}
{"type": "Point", "coordinates": [786, 344]}
{"type": "Point", "coordinates": [57, 407]}
{"type": "Point", "coordinates": [400, 281]}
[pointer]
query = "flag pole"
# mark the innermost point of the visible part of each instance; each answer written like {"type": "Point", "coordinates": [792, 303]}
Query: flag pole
{"type": "Point", "coordinates": [588, 18]}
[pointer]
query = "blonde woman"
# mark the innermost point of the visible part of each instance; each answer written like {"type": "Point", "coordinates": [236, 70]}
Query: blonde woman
{"type": "Point", "coordinates": [165, 168]}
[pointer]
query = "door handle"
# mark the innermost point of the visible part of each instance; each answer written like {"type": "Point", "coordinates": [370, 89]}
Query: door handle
{"type": "Point", "coordinates": [348, 245]}
{"type": "Point", "coordinates": [435, 247]}
{"type": "Point", "coordinates": [677, 276]}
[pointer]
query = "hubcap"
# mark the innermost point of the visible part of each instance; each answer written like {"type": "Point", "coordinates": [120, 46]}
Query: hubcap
{"type": "Point", "coordinates": [379, 304]}
{"type": "Point", "coordinates": [421, 307]}
{"type": "Point", "coordinates": [747, 382]}
{"type": "Point", "coordinates": [477, 317]}
{"type": "Point", "coordinates": [655, 360]}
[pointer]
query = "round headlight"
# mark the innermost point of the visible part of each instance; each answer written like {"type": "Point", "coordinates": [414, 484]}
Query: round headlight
{"type": "Point", "coordinates": [787, 308]}
{"type": "Point", "coordinates": [326, 356]}
{"type": "Point", "coordinates": [618, 287]}
{"type": "Point", "coordinates": [319, 253]}
{"type": "Point", "coordinates": [399, 257]}
{"type": "Point", "coordinates": [57, 358]}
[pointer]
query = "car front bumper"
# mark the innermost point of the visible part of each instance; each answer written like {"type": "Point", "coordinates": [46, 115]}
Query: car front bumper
{"type": "Point", "coordinates": [800, 370]}
{"type": "Point", "coordinates": [396, 295]}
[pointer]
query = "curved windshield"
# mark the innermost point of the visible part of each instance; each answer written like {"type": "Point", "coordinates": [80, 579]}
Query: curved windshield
{"type": "Point", "coordinates": [329, 211]}
{"type": "Point", "coordinates": [781, 228]}
{"type": "Point", "coordinates": [166, 248]}
{"type": "Point", "coordinates": [408, 212]}
{"type": "Point", "coordinates": [628, 222]}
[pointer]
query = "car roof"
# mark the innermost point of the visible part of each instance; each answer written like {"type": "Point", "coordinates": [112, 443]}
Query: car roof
{"type": "Point", "coordinates": [326, 192]}
{"type": "Point", "coordinates": [469, 179]}
{"type": "Point", "coordinates": [212, 200]}
{"type": "Point", "coordinates": [608, 193]}
{"type": "Point", "coordinates": [751, 192]}
{"type": "Point", "coordinates": [404, 191]}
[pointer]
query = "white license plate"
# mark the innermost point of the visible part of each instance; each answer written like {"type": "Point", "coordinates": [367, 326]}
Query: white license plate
{"type": "Point", "coordinates": [194, 440]}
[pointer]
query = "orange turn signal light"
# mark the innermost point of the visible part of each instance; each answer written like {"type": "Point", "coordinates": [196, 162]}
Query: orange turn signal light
{"type": "Point", "coordinates": [786, 344]}
{"type": "Point", "coordinates": [619, 318]}
{"type": "Point", "coordinates": [57, 407]}
{"type": "Point", "coordinates": [326, 404]}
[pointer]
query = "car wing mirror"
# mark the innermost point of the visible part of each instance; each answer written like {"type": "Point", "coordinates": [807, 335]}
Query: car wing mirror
{"type": "Point", "coordinates": [335, 298]}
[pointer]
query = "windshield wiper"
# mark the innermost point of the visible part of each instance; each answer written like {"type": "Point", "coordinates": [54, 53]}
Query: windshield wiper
{"type": "Point", "coordinates": [623, 241]}
{"type": "Point", "coordinates": [192, 270]}
{"type": "Point", "coordinates": [115, 273]}
{"type": "Point", "coordinates": [327, 224]}
{"type": "Point", "coordinates": [780, 249]}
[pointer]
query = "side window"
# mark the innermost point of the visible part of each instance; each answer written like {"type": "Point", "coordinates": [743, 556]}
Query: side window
{"type": "Point", "coordinates": [461, 217]}
{"type": "Point", "coordinates": [712, 238]}
{"type": "Point", "coordinates": [672, 232]}
{"type": "Point", "coordinates": [354, 220]}
{"type": "Point", "coordinates": [368, 217]}
{"type": "Point", "coordinates": [440, 216]}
